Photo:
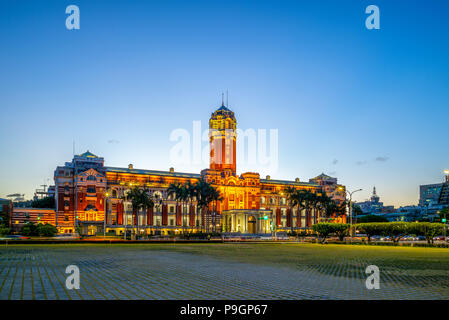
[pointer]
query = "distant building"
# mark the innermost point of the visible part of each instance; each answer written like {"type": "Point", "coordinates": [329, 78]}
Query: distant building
{"type": "Point", "coordinates": [331, 187]}
{"type": "Point", "coordinates": [6, 208]}
{"type": "Point", "coordinates": [373, 205]}
{"type": "Point", "coordinates": [429, 194]}
{"type": "Point", "coordinates": [21, 216]}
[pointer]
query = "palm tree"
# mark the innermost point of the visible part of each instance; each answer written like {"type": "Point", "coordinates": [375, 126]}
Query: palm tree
{"type": "Point", "coordinates": [157, 202]}
{"type": "Point", "coordinates": [323, 201]}
{"type": "Point", "coordinates": [215, 197]}
{"type": "Point", "coordinates": [310, 200]}
{"type": "Point", "coordinates": [292, 199]}
{"type": "Point", "coordinates": [190, 195]}
{"type": "Point", "coordinates": [203, 194]}
{"type": "Point", "coordinates": [174, 190]}
{"type": "Point", "coordinates": [140, 200]}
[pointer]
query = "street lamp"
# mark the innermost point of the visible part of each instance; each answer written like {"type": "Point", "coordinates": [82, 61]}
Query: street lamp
{"type": "Point", "coordinates": [106, 196]}
{"type": "Point", "coordinates": [350, 207]}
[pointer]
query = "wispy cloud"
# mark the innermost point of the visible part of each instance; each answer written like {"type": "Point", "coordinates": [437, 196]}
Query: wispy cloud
{"type": "Point", "coordinates": [113, 141]}
{"type": "Point", "coordinates": [361, 162]}
{"type": "Point", "coordinates": [335, 162]}
{"type": "Point", "coordinates": [382, 159]}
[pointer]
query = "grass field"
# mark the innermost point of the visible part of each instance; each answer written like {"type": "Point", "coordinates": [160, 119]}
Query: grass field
{"type": "Point", "coordinates": [222, 271]}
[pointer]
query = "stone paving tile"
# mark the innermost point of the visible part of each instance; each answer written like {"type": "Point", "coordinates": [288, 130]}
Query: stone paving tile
{"type": "Point", "coordinates": [133, 273]}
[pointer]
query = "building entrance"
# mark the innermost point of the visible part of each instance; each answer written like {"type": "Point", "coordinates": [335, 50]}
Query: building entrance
{"type": "Point", "coordinates": [252, 224]}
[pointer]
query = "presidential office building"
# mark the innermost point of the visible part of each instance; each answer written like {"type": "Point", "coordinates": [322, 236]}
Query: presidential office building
{"type": "Point", "coordinates": [93, 196]}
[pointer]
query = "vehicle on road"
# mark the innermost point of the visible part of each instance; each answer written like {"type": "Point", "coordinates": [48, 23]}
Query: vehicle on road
{"type": "Point", "coordinates": [16, 237]}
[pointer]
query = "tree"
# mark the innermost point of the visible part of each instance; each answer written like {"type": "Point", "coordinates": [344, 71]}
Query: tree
{"type": "Point", "coordinates": [47, 202]}
{"type": "Point", "coordinates": [370, 229]}
{"type": "Point", "coordinates": [395, 230]}
{"type": "Point", "coordinates": [429, 230]}
{"type": "Point", "coordinates": [444, 213]}
{"type": "Point", "coordinates": [4, 230]}
{"type": "Point", "coordinates": [371, 218]}
{"type": "Point", "coordinates": [203, 195]}
{"type": "Point", "coordinates": [324, 229]}
{"type": "Point", "coordinates": [341, 230]}
{"type": "Point", "coordinates": [46, 230]}
{"type": "Point", "coordinates": [323, 205]}
{"type": "Point", "coordinates": [29, 229]}
{"type": "Point", "coordinates": [292, 198]}
{"type": "Point", "coordinates": [357, 211]}
{"type": "Point", "coordinates": [140, 200]}
{"type": "Point", "coordinates": [215, 197]}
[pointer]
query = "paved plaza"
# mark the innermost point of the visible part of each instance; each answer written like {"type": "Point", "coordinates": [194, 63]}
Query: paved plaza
{"type": "Point", "coordinates": [222, 271]}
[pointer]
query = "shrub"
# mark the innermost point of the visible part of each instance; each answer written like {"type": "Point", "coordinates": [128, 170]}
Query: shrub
{"type": "Point", "coordinates": [396, 230]}
{"type": "Point", "coordinates": [29, 229]}
{"type": "Point", "coordinates": [325, 229]}
{"type": "Point", "coordinates": [4, 230]}
{"type": "Point", "coordinates": [46, 230]}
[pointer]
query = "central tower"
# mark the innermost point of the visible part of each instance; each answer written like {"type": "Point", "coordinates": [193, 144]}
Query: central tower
{"type": "Point", "coordinates": [222, 139]}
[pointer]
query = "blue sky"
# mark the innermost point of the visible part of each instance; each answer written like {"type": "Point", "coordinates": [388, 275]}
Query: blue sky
{"type": "Point", "coordinates": [367, 106]}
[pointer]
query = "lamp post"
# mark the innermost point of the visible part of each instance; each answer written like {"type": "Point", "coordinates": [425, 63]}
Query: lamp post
{"type": "Point", "coordinates": [106, 196]}
{"type": "Point", "coordinates": [350, 207]}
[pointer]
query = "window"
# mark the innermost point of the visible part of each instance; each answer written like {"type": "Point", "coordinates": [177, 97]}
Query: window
{"type": "Point", "coordinates": [66, 203]}
{"type": "Point", "coordinates": [172, 209]}
{"type": "Point", "coordinates": [90, 189]}
{"type": "Point", "coordinates": [172, 222]}
{"type": "Point", "coordinates": [91, 178]}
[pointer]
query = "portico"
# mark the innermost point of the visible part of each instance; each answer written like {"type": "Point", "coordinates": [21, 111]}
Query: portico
{"type": "Point", "coordinates": [247, 221]}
